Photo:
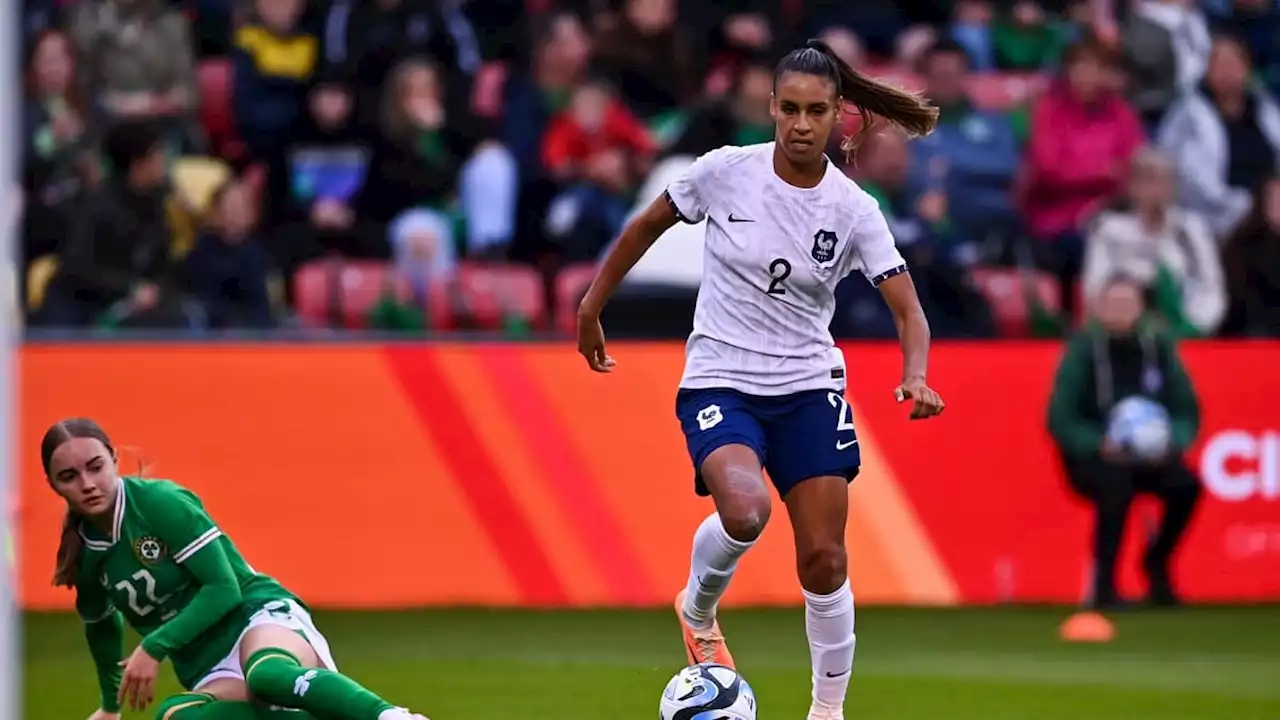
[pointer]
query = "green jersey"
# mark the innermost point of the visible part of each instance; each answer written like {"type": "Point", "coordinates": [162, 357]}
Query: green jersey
{"type": "Point", "coordinates": [173, 576]}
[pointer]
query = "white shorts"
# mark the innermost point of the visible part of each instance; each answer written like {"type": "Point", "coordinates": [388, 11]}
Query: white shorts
{"type": "Point", "coordinates": [286, 614]}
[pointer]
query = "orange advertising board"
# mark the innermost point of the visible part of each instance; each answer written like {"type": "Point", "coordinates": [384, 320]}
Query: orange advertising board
{"type": "Point", "coordinates": [365, 475]}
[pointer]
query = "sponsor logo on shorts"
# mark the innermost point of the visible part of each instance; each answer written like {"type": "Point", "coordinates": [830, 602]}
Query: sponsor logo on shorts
{"type": "Point", "coordinates": [709, 417]}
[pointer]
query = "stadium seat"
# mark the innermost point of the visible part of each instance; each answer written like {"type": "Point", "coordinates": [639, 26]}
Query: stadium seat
{"type": "Point", "coordinates": [355, 285]}
{"type": "Point", "coordinates": [216, 77]}
{"type": "Point", "coordinates": [1007, 289]}
{"type": "Point", "coordinates": [489, 295]}
{"type": "Point", "coordinates": [571, 284]}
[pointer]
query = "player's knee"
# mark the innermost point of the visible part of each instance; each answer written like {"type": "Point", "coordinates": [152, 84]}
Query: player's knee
{"type": "Point", "coordinates": [824, 568]}
{"type": "Point", "coordinates": [744, 518]}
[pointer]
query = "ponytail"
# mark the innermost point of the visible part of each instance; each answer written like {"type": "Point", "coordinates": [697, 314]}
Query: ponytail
{"type": "Point", "coordinates": [876, 100]}
{"type": "Point", "coordinates": [67, 570]}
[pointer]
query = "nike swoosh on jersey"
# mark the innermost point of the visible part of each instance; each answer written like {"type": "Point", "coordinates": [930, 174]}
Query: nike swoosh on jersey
{"type": "Point", "coordinates": [845, 445]}
{"type": "Point", "coordinates": [838, 674]}
{"type": "Point", "coordinates": [738, 219]}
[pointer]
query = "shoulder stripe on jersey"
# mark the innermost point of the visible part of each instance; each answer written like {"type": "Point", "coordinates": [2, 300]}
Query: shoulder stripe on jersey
{"type": "Point", "coordinates": [111, 610]}
{"type": "Point", "coordinates": [888, 274]}
{"type": "Point", "coordinates": [194, 547]}
{"type": "Point", "coordinates": [117, 524]}
{"type": "Point", "coordinates": [676, 209]}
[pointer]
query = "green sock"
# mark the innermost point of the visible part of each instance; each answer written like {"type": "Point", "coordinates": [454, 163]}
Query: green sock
{"type": "Point", "coordinates": [198, 706]}
{"type": "Point", "coordinates": [275, 676]}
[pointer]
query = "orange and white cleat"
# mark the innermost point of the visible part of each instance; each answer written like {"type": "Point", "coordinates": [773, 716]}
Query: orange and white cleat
{"type": "Point", "coordinates": [702, 647]}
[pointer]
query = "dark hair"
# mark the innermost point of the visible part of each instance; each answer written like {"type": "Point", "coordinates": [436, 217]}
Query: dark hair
{"type": "Point", "coordinates": [70, 547]}
{"type": "Point", "coordinates": [130, 142]}
{"type": "Point", "coordinates": [874, 100]}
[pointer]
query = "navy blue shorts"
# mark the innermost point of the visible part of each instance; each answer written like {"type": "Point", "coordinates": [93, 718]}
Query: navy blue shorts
{"type": "Point", "coordinates": [798, 436]}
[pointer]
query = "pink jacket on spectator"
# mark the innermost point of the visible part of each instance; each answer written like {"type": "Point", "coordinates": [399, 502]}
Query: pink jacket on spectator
{"type": "Point", "coordinates": [1078, 158]}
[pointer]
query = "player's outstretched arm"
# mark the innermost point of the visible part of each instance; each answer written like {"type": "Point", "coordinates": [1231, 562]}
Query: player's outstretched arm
{"type": "Point", "coordinates": [899, 293]}
{"type": "Point", "coordinates": [181, 523]}
{"type": "Point", "coordinates": [637, 237]}
{"type": "Point", "coordinates": [104, 633]}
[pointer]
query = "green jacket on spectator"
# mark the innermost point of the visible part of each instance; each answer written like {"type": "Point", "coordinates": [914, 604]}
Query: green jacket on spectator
{"type": "Point", "coordinates": [1098, 370]}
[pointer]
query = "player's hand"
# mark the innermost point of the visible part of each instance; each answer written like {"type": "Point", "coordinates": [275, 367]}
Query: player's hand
{"type": "Point", "coordinates": [104, 715]}
{"type": "Point", "coordinates": [591, 344]}
{"type": "Point", "coordinates": [925, 402]}
{"type": "Point", "coordinates": [139, 684]}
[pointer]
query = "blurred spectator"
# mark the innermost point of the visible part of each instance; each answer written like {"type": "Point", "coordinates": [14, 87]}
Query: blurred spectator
{"type": "Point", "coordinates": [428, 153]}
{"type": "Point", "coordinates": [1166, 51]}
{"type": "Point", "coordinates": [560, 52]}
{"type": "Point", "coordinates": [366, 39]}
{"type": "Point", "coordinates": [315, 182]}
{"type": "Point", "coordinates": [57, 158]}
{"type": "Point", "coordinates": [1024, 38]}
{"type": "Point", "coordinates": [971, 28]}
{"type": "Point", "coordinates": [647, 57]}
{"type": "Point", "coordinates": [970, 160]}
{"type": "Point", "coordinates": [137, 60]}
{"type": "Point", "coordinates": [1225, 138]}
{"type": "Point", "coordinates": [424, 249]}
{"type": "Point", "coordinates": [1257, 24]}
{"type": "Point", "coordinates": [1253, 267]}
{"type": "Point", "coordinates": [845, 44]}
{"type": "Point", "coordinates": [740, 118]}
{"type": "Point", "coordinates": [922, 228]}
{"type": "Point", "coordinates": [1115, 357]}
{"type": "Point", "coordinates": [228, 270]}
{"type": "Point", "coordinates": [730, 31]}
{"type": "Point", "coordinates": [115, 265]}
{"type": "Point", "coordinates": [274, 59]}
{"type": "Point", "coordinates": [596, 150]}
{"type": "Point", "coordinates": [1083, 136]}
{"type": "Point", "coordinates": [1170, 251]}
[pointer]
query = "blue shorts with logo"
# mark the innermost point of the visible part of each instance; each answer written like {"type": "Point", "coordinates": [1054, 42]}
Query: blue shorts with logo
{"type": "Point", "coordinates": [798, 436]}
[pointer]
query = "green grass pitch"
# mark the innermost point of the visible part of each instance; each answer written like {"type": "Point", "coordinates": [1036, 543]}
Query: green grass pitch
{"type": "Point", "coordinates": [979, 664]}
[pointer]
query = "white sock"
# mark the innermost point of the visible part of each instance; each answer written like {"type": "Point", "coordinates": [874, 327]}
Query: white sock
{"type": "Point", "coordinates": [715, 557]}
{"type": "Point", "coordinates": [829, 625]}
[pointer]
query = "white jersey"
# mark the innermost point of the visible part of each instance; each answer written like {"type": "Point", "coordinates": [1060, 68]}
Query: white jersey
{"type": "Point", "coordinates": [773, 257]}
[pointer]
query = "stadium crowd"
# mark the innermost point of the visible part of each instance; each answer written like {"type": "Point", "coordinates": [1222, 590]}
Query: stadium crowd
{"type": "Point", "coordinates": [446, 164]}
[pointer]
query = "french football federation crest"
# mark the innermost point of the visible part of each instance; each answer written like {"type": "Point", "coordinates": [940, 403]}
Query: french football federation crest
{"type": "Point", "coordinates": [148, 549]}
{"type": "Point", "coordinates": [824, 247]}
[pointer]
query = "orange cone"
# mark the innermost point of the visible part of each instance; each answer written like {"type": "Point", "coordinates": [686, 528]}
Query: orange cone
{"type": "Point", "coordinates": [1090, 627]}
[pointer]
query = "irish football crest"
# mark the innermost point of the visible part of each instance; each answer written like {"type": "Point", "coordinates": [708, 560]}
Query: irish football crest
{"type": "Point", "coordinates": [148, 549]}
{"type": "Point", "coordinates": [824, 247]}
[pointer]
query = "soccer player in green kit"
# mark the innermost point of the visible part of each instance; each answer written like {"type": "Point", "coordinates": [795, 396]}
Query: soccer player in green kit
{"type": "Point", "coordinates": [147, 553]}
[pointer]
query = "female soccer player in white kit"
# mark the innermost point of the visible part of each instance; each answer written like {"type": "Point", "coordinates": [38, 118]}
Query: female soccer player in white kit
{"type": "Point", "coordinates": [763, 384]}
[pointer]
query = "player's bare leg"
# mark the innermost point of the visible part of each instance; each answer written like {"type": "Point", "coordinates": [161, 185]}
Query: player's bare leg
{"type": "Point", "coordinates": [283, 669]}
{"type": "Point", "coordinates": [732, 473]}
{"type": "Point", "coordinates": [819, 509]}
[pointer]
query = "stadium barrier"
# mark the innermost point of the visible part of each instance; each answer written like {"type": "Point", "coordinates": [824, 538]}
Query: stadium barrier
{"type": "Point", "coordinates": [508, 474]}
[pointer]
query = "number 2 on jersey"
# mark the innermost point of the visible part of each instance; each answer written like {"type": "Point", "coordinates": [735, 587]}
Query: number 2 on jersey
{"type": "Point", "coordinates": [779, 270]}
{"type": "Point", "coordinates": [149, 591]}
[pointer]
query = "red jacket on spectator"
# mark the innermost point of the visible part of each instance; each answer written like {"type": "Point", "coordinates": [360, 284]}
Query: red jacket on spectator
{"type": "Point", "coordinates": [567, 144]}
{"type": "Point", "coordinates": [1078, 158]}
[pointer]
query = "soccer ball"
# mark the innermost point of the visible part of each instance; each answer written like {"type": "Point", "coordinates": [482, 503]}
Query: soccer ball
{"type": "Point", "coordinates": [707, 692]}
{"type": "Point", "coordinates": [1140, 426]}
